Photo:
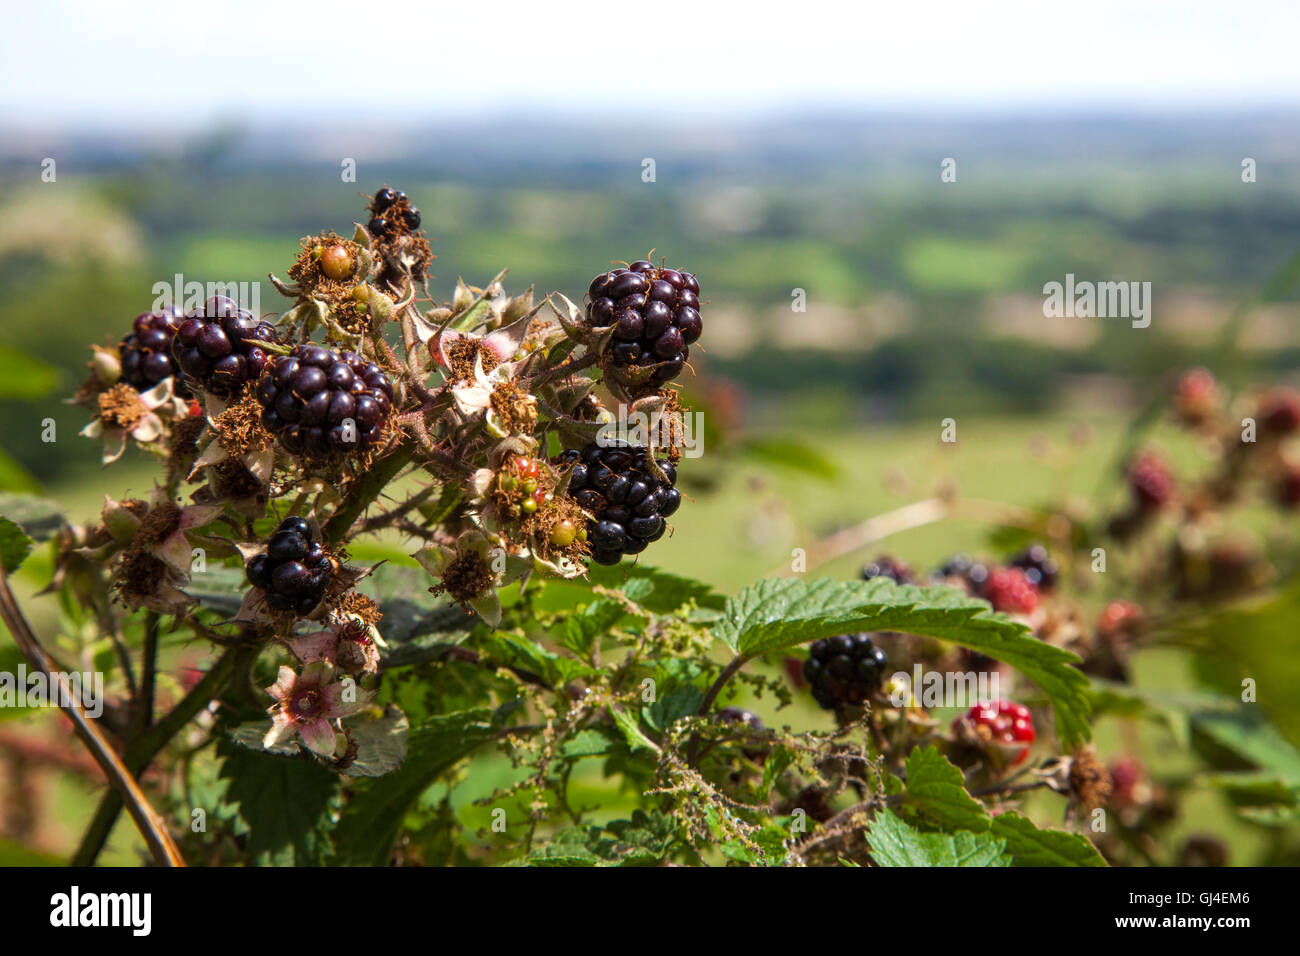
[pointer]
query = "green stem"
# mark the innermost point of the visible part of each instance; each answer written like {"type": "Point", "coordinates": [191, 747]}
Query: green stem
{"type": "Point", "coordinates": [148, 672]}
{"type": "Point", "coordinates": [145, 747]}
{"type": "Point", "coordinates": [365, 491]}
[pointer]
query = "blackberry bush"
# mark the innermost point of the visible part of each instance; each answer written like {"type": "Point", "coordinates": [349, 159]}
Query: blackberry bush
{"type": "Point", "coordinates": [221, 347]}
{"type": "Point", "coordinates": [294, 570]}
{"type": "Point", "coordinates": [320, 402]}
{"type": "Point", "coordinates": [626, 501]}
{"type": "Point", "coordinates": [655, 315]}
{"type": "Point", "coordinates": [844, 671]}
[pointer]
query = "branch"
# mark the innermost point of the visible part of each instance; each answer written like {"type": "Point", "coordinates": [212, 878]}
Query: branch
{"type": "Point", "coordinates": [150, 824]}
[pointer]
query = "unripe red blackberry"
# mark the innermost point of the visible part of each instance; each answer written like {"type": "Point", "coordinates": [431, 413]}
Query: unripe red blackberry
{"type": "Point", "coordinates": [323, 403]}
{"type": "Point", "coordinates": [1150, 481]}
{"type": "Point", "coordinates": [146, 353]}
{"type": "Point", "coordinates": [655, 312]}
{"type": "Point", "coordinates": [1003, 723]}
{"type": "Point", "coordinates": [220, 346]}
{"type": "Point", "coordinates": [295, 569]}
{"type": "Point", "coordinates": [1038, 566]}
{"type": "Point", "coordinates": [1011, 591]}
{"type": "Point", "coordinates": [844, 670]}
{"type": "Point", "coordinates": [627, 501]}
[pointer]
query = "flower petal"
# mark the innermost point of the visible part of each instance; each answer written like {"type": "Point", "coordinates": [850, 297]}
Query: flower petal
{"type": "Point", "coordinates": [318, 736]}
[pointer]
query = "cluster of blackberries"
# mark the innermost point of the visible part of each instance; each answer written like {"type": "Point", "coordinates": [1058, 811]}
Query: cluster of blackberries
{"type": "Point", "coordinates": [220, 346]}
{"type": "Point", "coordinates": [321, 402]}
{"type": "Point", "coordinates": [615, 483]}
{"type": "Point", "coordinates": [146, 353]}
{"type": "Point", "coordinates": [391, 207]}
{"type": "Point", "coordinates": [655, 313]}
{"type": "Point", "coordinates": [844, 670]}
{"type": "Point", "coordinates": [294, 570]}
{"type": "Point", "coordinates": [1038, 565]}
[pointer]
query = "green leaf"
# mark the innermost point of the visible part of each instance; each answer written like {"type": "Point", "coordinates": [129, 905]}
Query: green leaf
{"type": "Point", "coordinates": [790, 453]}
{"type": "Point", "coordinates": [369, 824]}
{"type": "Point", "coordinates": [39, 517]}
{"type": "Point", "coordinates": [15, 545]}
{"type": "Point", "coordinates": [672, 706]}
{"type": "Point", "coordinates": [777, 613]}
{"type": "Point", "coordinates": [631, 731]}
{"type": "Point", "coordinates": [935, 789]}
{"type": "Point", "coordinates": [894, 843]}
{"type": "Point", "coordinates": [503, 648]}
{"type": "Point", "coordinates": [657, 591]}
{"type": "Point", "coordinates": [287, 804]}
{"type": "Point", "coordinates": [1030, 846]}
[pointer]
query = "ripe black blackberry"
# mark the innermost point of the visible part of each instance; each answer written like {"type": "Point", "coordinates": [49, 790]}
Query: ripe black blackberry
{"type": "Point", "coordinates": [887, 567]}
{"type": "Point", "coordinates": [323, 403]}
{"type": "Point", "coordinates": [1038, 565]}
{"type": "Point", "coordinates": [629, 502]}
{"type": "Point", "coordinates": [655, 313]}
{"type": "Point", "coordinates": [146, 353]}
{"type": "Point", "coordinates": [220, 346]}
{"type": "Point", "coordinates": [844, 670]}
{"type": "Point", "coordinates": [295, 569]}
{"type": "Point", "coordinates": [390, 208]}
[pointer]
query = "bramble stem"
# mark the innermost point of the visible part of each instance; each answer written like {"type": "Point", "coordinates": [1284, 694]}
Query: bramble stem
{"type": "Point", "coordinates": [150, 824]}
{"type": "Point", "coordinates": [144, 748]}
{"type": "Point", "coordinates": [365, 491]}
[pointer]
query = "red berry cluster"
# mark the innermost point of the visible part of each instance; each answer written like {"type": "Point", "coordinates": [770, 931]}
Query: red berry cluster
{"type": "Point", "coordinates": [1001, 722]}
{"type": "Point", "coordinates": [1151, 482]}
{"type": "Point", "coordinates": [655, 313]}
{"type": "Point", "coordinates": [1011, 590]}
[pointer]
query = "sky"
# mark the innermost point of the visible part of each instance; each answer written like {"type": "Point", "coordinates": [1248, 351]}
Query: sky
{"type": "Point", "coordinates": [148, 62]}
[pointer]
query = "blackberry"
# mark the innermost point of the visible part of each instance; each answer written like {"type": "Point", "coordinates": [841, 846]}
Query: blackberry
{"type": "Point", "coordinates": [146, 353]}
{"type": "Point", "coordinates": [887, 567]}
{"type": "Point", "coordinates": [390, 208]}
{"type": "Point", "coordinates": [1279, 412]}
{"type": "Point", "coordinates": [310, 396]}
{"type": "Point", "coordinates": [220, 346]}
{"type": "Point", "coordinates": [294, 570]}
{"type": "Point", "coordinates": [1038, 566]}
{"type": "Point", "coordinates": [1150, 481]}
{"type": "Point", "coordinates": [844, 670]}
{"type": "Point", "coordinates": [1002, 722]}
{"type": "Point", "coordinates": [655, 313]}
{"type": "Point", "coordinates": [627, 500]}
{"type": "Point", "coordinates": [1011, 590]}
{"type": "Point", "coordinates": [973, 575]}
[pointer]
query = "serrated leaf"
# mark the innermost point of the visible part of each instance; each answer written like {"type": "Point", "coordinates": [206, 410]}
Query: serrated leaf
{"type": "Point", "coordinates": [288, 804]}
{"type": "Point", "coordinates": [15, 546]}
{"type": "Point", "coordinates": [895, 843]}
{"type": "Point", "coordinates": [659, 592]}
{"type": "Point", "coordinates": [1030, 846]}
{"type": "Point", "coordinates": [672, 706]}
{"type": "Point", "coordinates": [935, 789]}
{"type": "Point", "coordinates": [777, 613]}
{"type": "Point", "coordinates": [369, 823]}
{"type": "Point", "coordinates": [632, 733]}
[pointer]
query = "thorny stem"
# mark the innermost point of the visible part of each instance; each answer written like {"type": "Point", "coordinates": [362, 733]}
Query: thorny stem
{"type": "Point", "coordinates": [364, 492]}
{"type": "Point", "coordinates": [564, 368]}
{"type": "Point", "coordinates": [150, 824]}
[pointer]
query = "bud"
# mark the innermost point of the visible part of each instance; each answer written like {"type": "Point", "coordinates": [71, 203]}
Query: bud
{"type": "Point", "coordinates": [106, 366]}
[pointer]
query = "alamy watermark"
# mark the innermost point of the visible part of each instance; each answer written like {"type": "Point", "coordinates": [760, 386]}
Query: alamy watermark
{"type": "Point", "coordinates": [1098, 300]}
{"type": "Point", "coordinates": [38, 689]}
{"type": "Point", "coordinates": [943, 689]}
{"type": "Point", "coordinates": [191, 295]}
